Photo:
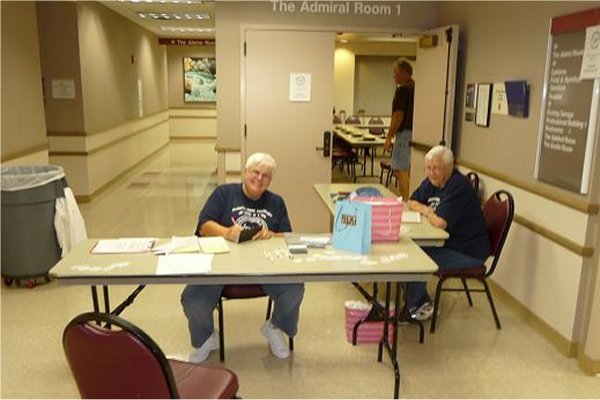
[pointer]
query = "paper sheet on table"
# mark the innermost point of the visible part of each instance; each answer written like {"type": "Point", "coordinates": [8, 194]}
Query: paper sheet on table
{"type": "Point", "coordinates": [316, 239]}
{"type": "Point", "coordinates": [183, 244]}
{"type": "Point", "coordinates": [411, 217]}
{"type": "Point", "coordinates": [181, 264]}
{"type": "Point", "coordinates": [123, 245]}
{"type": "Point", "coordinates": [213, 244]}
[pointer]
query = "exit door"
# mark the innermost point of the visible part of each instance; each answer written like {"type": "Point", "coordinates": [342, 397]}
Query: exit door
{"type": "Point", "coordinates": [287, 106]}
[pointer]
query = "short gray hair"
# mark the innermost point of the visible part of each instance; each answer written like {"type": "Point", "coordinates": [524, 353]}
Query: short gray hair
{"type": "Point", "coordinates": [261, 160]}
{"type": "Point", "coordinates": [441, 152]}
{"type": "Point", "coordinates": [402, 64]}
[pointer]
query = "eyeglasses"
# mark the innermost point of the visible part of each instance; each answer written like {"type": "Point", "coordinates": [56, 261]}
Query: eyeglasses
{"type": "Point", "coordinates": [260, 175]}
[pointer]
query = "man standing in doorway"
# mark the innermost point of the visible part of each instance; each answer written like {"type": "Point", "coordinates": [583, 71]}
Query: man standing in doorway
{"type": "Point", "coordinates": [401, 123]}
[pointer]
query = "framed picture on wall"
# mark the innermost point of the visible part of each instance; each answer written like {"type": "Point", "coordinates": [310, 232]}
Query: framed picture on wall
{"type": "Point", "coordinates": [199, 79]}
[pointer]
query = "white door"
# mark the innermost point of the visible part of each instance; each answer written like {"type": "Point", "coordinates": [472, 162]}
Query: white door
{"type": "Point", "coordinates": [435, 82]}
{"type": "Point", "coordinates": [288, 129]}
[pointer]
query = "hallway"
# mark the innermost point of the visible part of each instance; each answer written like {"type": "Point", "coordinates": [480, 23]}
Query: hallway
{"type": "Point", "coordinates": [466, 358]}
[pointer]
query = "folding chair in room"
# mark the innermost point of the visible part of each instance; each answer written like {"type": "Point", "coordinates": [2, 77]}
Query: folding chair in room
{"type": "Point", "coordinates": [375, 130]}
{"type": "Point", "coordinates": [498, 212]}
{"type": "Point", "coordinates": [342, 153]}
{"type": "Point", "coordinates": [241, 292]}
{"type": "Point", "coordinates": [118, 360]}
{"type": "Point", "coordinates": [352, 120]}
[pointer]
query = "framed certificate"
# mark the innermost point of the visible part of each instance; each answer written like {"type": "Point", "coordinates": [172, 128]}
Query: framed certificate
{"type": "Point", "coordinates": [482, 110]}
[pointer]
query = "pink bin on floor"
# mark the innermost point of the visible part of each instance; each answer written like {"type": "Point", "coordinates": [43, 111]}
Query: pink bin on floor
{"type": "Point", "coordinates": [368, 332]}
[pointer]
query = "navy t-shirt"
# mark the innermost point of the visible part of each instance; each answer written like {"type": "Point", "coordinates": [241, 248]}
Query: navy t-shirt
{"type": "Point", "coordinates": [458, 205]}
{"type": "Point", "coordinates": [404, 101]}
{"type": "Point", "coordinates": [228, 203]}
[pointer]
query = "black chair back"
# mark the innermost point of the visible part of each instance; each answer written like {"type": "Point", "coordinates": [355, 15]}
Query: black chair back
{"type": "Point", "coordinates": [498, 212]}
{"type": "Point", "coordinates": [474, 180]}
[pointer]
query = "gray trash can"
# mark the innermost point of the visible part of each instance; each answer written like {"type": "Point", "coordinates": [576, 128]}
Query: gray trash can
{"type": "Point", "coordinates": [29, 244]}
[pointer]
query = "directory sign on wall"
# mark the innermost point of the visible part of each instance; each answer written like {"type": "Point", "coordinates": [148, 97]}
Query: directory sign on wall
{"type": "Point", "coordinates": [570, 107]}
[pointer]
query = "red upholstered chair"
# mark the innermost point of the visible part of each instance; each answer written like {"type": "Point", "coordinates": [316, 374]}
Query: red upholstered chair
{"type": "Point", "coordinates": [118, 360]}
{"type": "Point", "coordinates": [240, 292]}
{"type": "Point", "coordinates": [498, 212]}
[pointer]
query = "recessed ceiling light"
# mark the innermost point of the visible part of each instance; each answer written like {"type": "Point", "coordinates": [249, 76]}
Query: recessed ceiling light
{"type": "Point", "coordinates": [185, 29]}
{"type": "Point", "coordinates": [168, 16]}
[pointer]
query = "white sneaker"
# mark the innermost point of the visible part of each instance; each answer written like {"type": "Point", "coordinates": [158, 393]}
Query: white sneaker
{"type": "Point", "coordinates": [277, 340]}
{"type": "Point", "coordinates": [424, 312]}
{"type": "Point", "coordinates": [200, 354]}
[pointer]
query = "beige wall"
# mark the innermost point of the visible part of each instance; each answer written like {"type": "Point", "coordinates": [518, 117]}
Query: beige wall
{"type": "Point", "coordinates": [503, 41]}
{"type": "Point", "coordinates": [23, 123]}
{"type": "Point", "coordinates": [107, 43]}
{"type": "Point", "coordinates": [111, 125]}
{"type": "Point", "coordinates": [232, 15]}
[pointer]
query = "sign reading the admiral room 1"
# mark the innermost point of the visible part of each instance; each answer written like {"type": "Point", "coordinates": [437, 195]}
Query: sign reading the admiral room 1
{"type": "Point", "coordinates": [374, 8]}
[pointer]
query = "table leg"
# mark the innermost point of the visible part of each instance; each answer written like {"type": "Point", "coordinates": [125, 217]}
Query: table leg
{"type": "Point", "coordinates": [106, 299]}
{"type": "Point", "coordinates": [95, 299]}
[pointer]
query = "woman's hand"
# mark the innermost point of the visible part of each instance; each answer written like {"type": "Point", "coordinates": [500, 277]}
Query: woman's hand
{"type": "Point", "coordinates": [233, 233]}
{"type": "Point", "coordinates": [264, 233]}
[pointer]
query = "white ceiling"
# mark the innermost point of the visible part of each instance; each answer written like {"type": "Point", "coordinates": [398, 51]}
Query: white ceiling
{"type": "Point", "coordinates": [131, 10]}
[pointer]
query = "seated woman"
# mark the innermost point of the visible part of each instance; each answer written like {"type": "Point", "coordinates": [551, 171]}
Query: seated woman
{"type": "Point", "coordinates": [447, 199]}
{"type": "Point", "coordinates": [230, 209]}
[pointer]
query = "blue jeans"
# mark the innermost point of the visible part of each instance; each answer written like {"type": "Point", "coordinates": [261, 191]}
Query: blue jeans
{"type": "Point", "coordinates": [446, 259]}
{"type": "Point", "coordinates": [199, 302]}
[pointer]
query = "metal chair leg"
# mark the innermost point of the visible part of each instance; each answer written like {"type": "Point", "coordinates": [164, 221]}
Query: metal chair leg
{"type": "Point", "coordinates": [464, 282]}
{"type": "Point", "coordinates": [221, 333]}
{"type": "Point", "coordinates": [491, 301]}
{"type": "Point", "coordinates": [438, 294]}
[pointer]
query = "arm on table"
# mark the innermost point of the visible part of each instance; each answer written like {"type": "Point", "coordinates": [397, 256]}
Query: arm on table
{"type": "Point", "coordinates": [427, 212]}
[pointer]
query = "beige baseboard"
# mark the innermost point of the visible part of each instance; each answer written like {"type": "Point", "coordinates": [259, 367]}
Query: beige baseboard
{"type": "Point", "coordinates": [107, 185]}
{"type": "Point", "coordinates": [589, 366]}
{"type": "Point", "coordinates": [194, 139]}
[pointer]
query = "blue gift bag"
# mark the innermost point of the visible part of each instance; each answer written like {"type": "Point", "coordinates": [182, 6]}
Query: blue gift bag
{"type": "Point", "coordinates": [352, 226]}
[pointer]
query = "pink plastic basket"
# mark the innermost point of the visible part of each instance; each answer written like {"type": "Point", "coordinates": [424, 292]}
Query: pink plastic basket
{"type": "Point", "coordinates": [368, 332]}
{"type": "Point", "coordinates": [386, 217]}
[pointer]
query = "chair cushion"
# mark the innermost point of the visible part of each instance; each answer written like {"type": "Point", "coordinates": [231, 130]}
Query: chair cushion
{"type": "Point", "coordinates": [385, 164]}
{"type": "Point", "coordinates": [242, 291]}
{"type": "Point", "coordinates": [463, 272]}
{"type": "Point", "coordinates": [195, 381]}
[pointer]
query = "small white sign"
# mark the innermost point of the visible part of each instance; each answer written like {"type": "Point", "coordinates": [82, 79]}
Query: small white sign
{"type": "Point", "coordinates": [590, 64]}
{"type": "Point", "coordinates": [499, 100]}
{"type": "Point", "coordinates": [300, 87]}
{"type": "Point", "coordinates": [63, 89]}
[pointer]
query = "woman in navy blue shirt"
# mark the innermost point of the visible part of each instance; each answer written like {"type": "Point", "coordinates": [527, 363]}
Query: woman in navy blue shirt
{"type": "Point", "coordinates": [229, 210]}
{"type": "Point", "coordinates": [448, 201]}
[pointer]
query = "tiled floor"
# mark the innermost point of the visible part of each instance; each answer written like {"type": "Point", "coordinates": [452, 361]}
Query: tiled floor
{"type": "Point", "coordinates": [466, 358]}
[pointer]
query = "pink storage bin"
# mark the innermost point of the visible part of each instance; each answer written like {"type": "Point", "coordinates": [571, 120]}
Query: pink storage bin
{"type": "Point", "coordinates": [368, 332]}
{"type": "Point", "coordinates": [386, 217]}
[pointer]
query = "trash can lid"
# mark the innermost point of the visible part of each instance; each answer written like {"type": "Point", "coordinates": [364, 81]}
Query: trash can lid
{"type": "Point", "coordinates": [21, 177]}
